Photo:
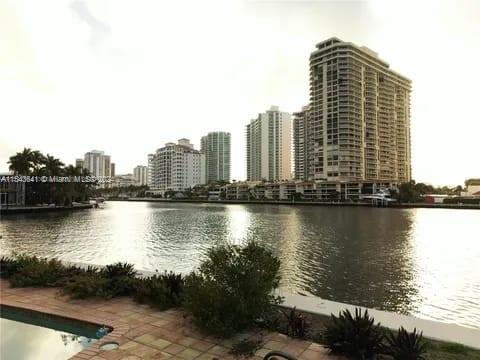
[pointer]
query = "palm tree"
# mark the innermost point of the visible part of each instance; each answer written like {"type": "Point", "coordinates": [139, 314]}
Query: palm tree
{"type": "Point", "coordinates": [72, 189]}
{"type": "Point", "coordinates": [22, 162]}
{"type": "Point", "coordinates": [38, 160]}
{"type": "Point", "coordinates": [52, 166]}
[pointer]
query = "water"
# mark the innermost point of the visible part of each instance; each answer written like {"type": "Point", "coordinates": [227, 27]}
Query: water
{"type": "Point", "coordinates": [412, 261]}
{"type": "Point", "coordinates": [25, 335]}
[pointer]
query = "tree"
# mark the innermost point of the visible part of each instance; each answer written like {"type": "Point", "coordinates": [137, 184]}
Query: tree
{"type": "Point", "coordinates": [22, 162]}
{"type": "Point", "coordinates": [52, 166]}
{"type": "Point", "coordinates": [409, 192]}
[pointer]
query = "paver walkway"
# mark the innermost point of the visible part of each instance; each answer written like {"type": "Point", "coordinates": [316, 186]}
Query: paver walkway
{"type": "Point", "coordinates": [144, 333]}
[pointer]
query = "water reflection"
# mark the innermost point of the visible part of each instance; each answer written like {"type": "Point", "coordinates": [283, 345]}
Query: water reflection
{"type": "Point", "coordinates": [25, 342]}
{"type": "Point", "coordinates": [420, 261]}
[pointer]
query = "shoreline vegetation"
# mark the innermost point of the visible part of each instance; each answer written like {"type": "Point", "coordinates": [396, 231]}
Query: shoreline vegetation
{"type": "Point", "coordinates": [232, 291]}
{"type": "Point", "coordinates": [73, 207]}
{"type": "Point", "coordinates": [300, 202]}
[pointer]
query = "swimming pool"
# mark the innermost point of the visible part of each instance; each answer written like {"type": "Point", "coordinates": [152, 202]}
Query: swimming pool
{"type": "Point", "coordinates": [29, 335]}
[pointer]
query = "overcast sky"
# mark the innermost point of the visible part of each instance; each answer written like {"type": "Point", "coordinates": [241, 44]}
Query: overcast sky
{"type": "Point", "coordinates": [128, 76]}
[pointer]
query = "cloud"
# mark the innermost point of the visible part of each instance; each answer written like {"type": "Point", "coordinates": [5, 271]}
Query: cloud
{"type": "Point", "coordinates": [99, 30]}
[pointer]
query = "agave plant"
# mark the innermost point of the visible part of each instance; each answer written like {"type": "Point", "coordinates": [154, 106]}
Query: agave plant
{"type": "Point", "coordinates": [405, 346]}
{"type": "Point", "coordinates": [353, 335]}
{"type": "Point", "coordinates": [118, 270]}
{"type": "Point", "coordinates": [297, 324]}
{"type": "Point", "coordinates": [8, 267]}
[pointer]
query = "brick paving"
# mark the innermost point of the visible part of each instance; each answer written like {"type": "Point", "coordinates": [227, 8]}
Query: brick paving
{"type": "Point", "coordinates": [145, 333]}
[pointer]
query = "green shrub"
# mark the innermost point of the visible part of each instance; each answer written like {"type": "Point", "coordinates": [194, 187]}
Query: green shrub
{"type": "Point", "coordinates": [355, 336]}
{"type": "Point", "coordinates": [85, 285]}
{"type": "Point", "coordinates": [119, 270]}
{"type": "Point", "coordinates": [163, 291]}
{"type": "Point", "coordinates": [34, 271]}
{"type": "Point", "coordinates": [405, 346]}
{"type": "Point", "coordinates": [120, 279]}
{"type": "Point", "coordinates": [8, 267]}
{"type": "Point", "coordinates": [113, 280]}
{"type": "Point", "coordinates": [232, 288]}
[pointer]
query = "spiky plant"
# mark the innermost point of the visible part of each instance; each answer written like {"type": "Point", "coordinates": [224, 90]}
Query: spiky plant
{"type": "Point", "coordinates": [8, 266]}
{"type": "Point", "coordinates": [297, 325]}
{"type": "Point", "coordinates": [119, 269]}
{"type": "Point", "coordinates": [405, 346]}
{"type": "Point", "coordinates": [353, 335]}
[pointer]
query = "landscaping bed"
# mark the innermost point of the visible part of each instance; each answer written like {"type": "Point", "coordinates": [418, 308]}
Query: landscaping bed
{"type": "Point", "coordinates": [230, 293]}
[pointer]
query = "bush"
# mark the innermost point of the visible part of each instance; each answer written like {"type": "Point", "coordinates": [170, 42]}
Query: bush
{"type": "Point", "coordinates": [33, 271]}
{"type": "Point", "coordinates": [163, 291]}
{"type": "Point", "coordinates": [405, 346]}
{"type": "Point", "coordinates": [355, 336]}
{"type": "Point", "coordinates": [113, 280]}
{"type": "Point", "coordinates": [296, 324]}
{"type": "Point", "coordinates": [232, 288]}
{"type": "Point", "coordinates": [8, 267]}
{"type": "Point", "coordinates": [120, 279]}
{"type": "Point", "coordinates": [86, 285]}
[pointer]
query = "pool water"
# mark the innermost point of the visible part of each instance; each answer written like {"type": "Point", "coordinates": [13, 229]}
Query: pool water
{"type": "Point", "coordinates": [28, 335]}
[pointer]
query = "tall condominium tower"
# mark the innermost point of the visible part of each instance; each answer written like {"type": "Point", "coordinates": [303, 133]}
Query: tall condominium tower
{"type": "Point", "coordinates": [302, 144]}
{"type": "Point", "coordinates": [140, 173]}
{"type": "Point", "coordinates": [176, 167]}
{"type": "Point", "coordinates": [359, 124]}
{"type": "Point", "coordinates": [216, 147]}
{"type": "Point", "coordinates": [269, 146]}
{"type": "Point", "coordinates": [97, 163]}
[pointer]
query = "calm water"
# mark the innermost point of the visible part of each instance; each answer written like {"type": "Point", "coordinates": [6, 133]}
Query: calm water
{"type": "Point", "coordinates": [419, 261]}
{"type": "Point", "coordinates": [28, 336]}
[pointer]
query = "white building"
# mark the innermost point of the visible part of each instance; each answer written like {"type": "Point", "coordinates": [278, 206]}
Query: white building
{"type": "Point", "coordinates": [98, 164]}
{"type": "Point", "coordinates": [140, 173]}
{"type": "Point", "coordinates": [176, 167]}
{"type": "Point", "coordinates": [269, 138]}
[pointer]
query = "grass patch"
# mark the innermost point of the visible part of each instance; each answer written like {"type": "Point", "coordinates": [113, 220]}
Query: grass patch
{"type": "Point", "coordinates": [246, 348]}
{"type": "Point", "coordinates": [449, 351]}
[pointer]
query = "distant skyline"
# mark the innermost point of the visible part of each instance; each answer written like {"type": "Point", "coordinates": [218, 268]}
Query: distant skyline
{"type": "Point", "coordinates": [126, 77]}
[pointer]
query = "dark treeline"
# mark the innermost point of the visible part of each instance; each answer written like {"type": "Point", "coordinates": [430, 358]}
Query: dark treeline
{"type": "Point", "coordinates": [33, 163]}
{"type": "Point", "coordinates": [412, 192]}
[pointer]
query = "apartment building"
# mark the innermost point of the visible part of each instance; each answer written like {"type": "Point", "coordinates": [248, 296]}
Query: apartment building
{"type": "Point", "coordinates": [216, 147]}
{"type": "Point", "coordinates": [302, 144]}
{"type": "Point", "coordinates": [97, 163]}
{"type": "Point", "coordinates": [140, 174]}
{"type": "Point", "coordinates": [358, 124]}
{"type": "Point", "coordinates": [176, 167]}
{"type": "Point", "coordinates": [268, 140]}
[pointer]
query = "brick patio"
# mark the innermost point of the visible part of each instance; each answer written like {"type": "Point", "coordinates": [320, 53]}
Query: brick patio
{"type": "Point", "coordinates": [144, 333]}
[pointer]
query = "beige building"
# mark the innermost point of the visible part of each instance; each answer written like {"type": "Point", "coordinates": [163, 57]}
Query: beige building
{"type": "Point", "coordinates": [140, 174]}
{"type": "Point", "coordinates": [175, 167]}
{"type": "Point", "coordinates": [357, 126]}
{"type": "Point", "coordinates": [268, 139]}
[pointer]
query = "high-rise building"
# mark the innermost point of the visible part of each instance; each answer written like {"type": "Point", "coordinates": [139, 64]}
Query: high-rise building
{"type": "Point", "coordinates": [79, 163]}
{"type": "Point", "coordinates": [216, 147]}
{"type": "Point", "coordinates": [358, 128]}
{"type": "Point", "coordinates": [140, 174]}
{"type": "Point", "coordinates": [112, 169]}
{"type": "Point", "coordinates": [97, 163]}
{"type": "Point", "coordinates": [176, 167]}
{"type": "Point", "coordinates": [302, 146]}
{"type": "Point", "coordinates": [269, 146]}
{"type": "Point", "coordinates": [150, 169]}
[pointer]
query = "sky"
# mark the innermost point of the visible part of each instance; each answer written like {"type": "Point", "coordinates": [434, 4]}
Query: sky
{"type": "Point", "coordinates": [126, 77]}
